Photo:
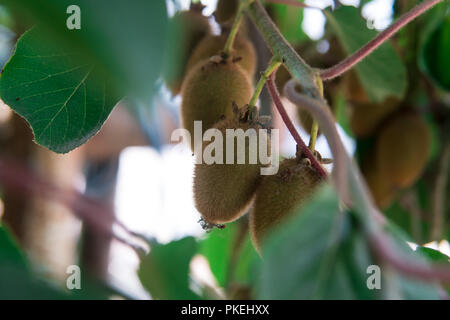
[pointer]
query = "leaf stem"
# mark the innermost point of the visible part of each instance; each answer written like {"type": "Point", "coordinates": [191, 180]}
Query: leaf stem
{"type": "Point", "coordinates": [273, 65]}
{"type": "Point", "coordinates": [243, 5]}
{"type": "Point", "coordinates": [287, 121]}
{"type": "Point", "coordinates": [363, 52]}
{"type": "Point", "coordinates": [315, 127]}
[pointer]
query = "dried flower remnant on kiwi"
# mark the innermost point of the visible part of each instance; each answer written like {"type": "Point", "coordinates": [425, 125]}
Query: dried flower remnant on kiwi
{"type": "Point", "coordinates": [223, 192]}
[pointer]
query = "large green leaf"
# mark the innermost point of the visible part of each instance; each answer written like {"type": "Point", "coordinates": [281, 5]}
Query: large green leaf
{"type": "Point", "coordinates": [322, 253]}
{"type": "Point", "coordinates": [218, 248]}
{"type": "Point", "coordinates": [66, 82]}
{"type": "Point", "coordinates": [164, 272]}
{"type": "Point", "coordinates": [61, 96]}
{"type": "Point", "coordinates": [382, 73]}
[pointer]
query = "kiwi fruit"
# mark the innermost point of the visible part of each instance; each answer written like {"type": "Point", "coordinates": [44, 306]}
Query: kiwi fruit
{"type": "Point", "coordinates": [186, 29]}
{"type": "Point", "coordinates": [382, 192]}
{"type": "Point", "coordinates": [243, 51]}
{"type": "Point", "coordinates": [366, 117]}
{"type": "Point", "coordinates": [226, 10]}
{"type": "Point", "coordinates": [353, 89]}
{"type": "Point", "coordinates": [402, 149]}
{"type": "Point", "coordinates": [279, 195]}
{"type": "Point", "coordinates": [209, 90]}
{"type": "Point", "coordinates": [223, 192]}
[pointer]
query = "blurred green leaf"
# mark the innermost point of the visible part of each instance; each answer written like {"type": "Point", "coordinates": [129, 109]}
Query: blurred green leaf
{"type": "Point", "coordinates": [322, 253]}
{"type": "Point", "coordinates": [435, 52]}
{"type": "Point", "coordinates": [433, 255]}
{"type": "Point", "coordinates": [66, 82]}
{"type": "Point", "coordinates": [16, 280]}
{"type": "Point", "coordinates": [164, 272]}
{"type": "Point", "coordinates": [126, 41]}
{"type": "Point", "coordinates": [308, 256]}
{"type": "Point", "coordinates": [382, 73]}
{"type": "Point", "coordinates": [218, 248]}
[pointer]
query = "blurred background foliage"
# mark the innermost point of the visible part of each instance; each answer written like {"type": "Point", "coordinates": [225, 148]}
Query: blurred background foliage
{"type": "Point", "coordinates": [320, 253]}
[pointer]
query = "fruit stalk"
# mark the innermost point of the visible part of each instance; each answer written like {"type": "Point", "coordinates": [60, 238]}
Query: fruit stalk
{"type": "Point", "coordinates": [315, 127]}
{"type": "Point", "coordinates": [283, 51]}
{"type": "Point", "coordinates": [279, 105]}
{"type": "Point", "coordinates": [235, 27]}
{"type": "Point", "coordinates": [273, 66]}
{"type": "Point", "coordinates": [349, 62]}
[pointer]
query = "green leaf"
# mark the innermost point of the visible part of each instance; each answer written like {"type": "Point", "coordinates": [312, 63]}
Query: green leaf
{"type": "Point", "coordinates": [433, 255]}
{"type": "Point", "coordinates": [218, 248]}
{"type": "Point", "coordinates": [66, 82]}
{"type": "Point", "coordinates": [10, 252]}
{"type": "Point", "coordinates": [63, 99]}
{"type": "Point", "coordinates": [164, 272]}
{"type": "Point", "coordinates": [125, 41]}
{"type": "Point", "coordinates": [434, 54]}
{"type": "Point", "coordinates": [308, 256]}
{"type": "Point", "coordinates": [382, 73]}
{"type": "Point", "coordinates": [16, 280]}
{"type": "Point", "coordinates": [323, 253]}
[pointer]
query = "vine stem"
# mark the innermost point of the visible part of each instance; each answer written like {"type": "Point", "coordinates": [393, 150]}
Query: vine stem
{"type": "Point", "coordinates": [361, 201]}
{"type": "Point", "coordinates": [273, 91]}
{"type": "Point", "coordinates": [349, 62]}
{"type": "Point", "coordinates": [273, 65]}
{"type": "Point", "coordinates": [243, 5]}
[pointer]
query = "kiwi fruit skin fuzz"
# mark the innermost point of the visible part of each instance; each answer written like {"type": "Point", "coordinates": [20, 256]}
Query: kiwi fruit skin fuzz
{"type": "Point", "coordinates": [223, 192]}
{"type": "Point", "coordinates": [382, 192]}
{"type": "Point", "coordinates": [226, 10]}
{"type": "Point", "coordinates": [402, 149]}
{"type": "Point", "coordinates": [279, 195]}
{"type": "Point", "coordinates": [366, 117]}
{"type": "Point", "coordinates": [186, 30]}
{"type": "Point", "coordinates": [209, 91]}
{"type": "Point", "coordinates": [243, 52]}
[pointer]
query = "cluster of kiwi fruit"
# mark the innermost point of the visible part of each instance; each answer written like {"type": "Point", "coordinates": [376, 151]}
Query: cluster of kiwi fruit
{"type": "Point", "coordinates": [401, 142]}
{"type": "Point", "coordinates": [216, 88]}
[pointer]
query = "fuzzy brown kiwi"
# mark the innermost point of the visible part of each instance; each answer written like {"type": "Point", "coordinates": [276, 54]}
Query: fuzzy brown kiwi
{"type": "Point", "coordinates": [223, 192]}
{"type": "Point", "coordinates": [243, 52]}
{"type": "Point", "coordinates": [402, 149]}
{"type": "Point", "coordinates": [186, 29]}
{"type": "Point", "coordinates": [366, 117]}
{"type": "Point", "coordinates": [209, 90]}
{"type": "Point", "coordinates": [226, 10]}
{"type": "Point", "coordinates": [353, 89]}
{"type": "Point", "coordinates": [279, 195]}
{"type": "Point", "coordinates": [382, 192]}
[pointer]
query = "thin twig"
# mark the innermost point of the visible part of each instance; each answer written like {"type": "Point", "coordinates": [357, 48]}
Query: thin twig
{"type": "Point", "coordinates": [273, 65]}
{"type": "Point", "coordinates": [287, 121]}
{"type": "Point", "coordinates": [88, 210]}
{"type": "Point", "coordinates": [320, 112]}
{"type": "Point", "coordinates": [363, 52]}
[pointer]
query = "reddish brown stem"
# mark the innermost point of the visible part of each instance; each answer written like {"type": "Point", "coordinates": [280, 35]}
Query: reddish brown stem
{"type": "Point", "coordinates": [21, 179]}
{"type": "Point", "coordinates": [287, 121]}
{"type": "Point", "coordinates": [363, 52]}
